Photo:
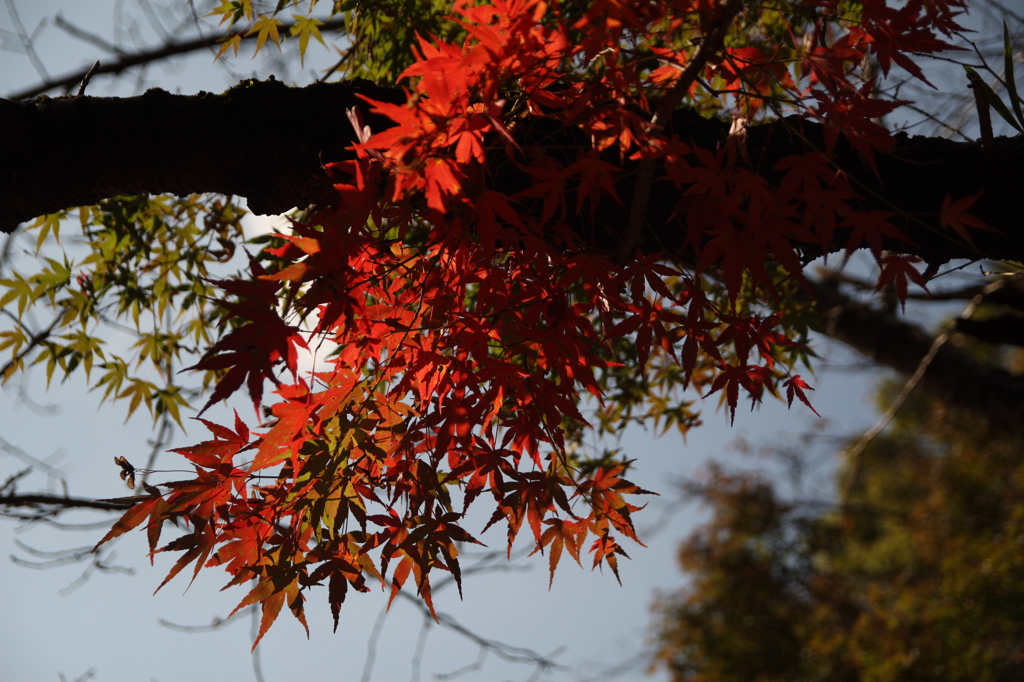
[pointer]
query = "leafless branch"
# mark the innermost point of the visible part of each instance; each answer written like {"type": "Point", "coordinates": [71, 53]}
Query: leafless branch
{"type": "Point", "coordinates": [9, 485]}
{"type": "Point", "coordinates": [965, 293]}
{"type": "Point", "coordinates": [82, 34]}
{"type": "Point", "coordinates": [507, 652]}
{"type": "Point", "coordinates": [88, 77]}
{"type": "Point", "coordinates": [254, 633]}
{"type": "Point", "coordinates": [990, 393]}
{"type": "Point", "coordinates": [217, 623]}
{"type": "Point", "coordinates": [371, 645]}
{"type": "Point", "coordinates": [97, 564]}
{"type": "Point", "coordinates": [36, 339]}
{"type": "Point", "coordinates": [129, 60]}
{"type": "Point", "coordinates": [61, 557]}
{"type": "Point", "coordinates": [26, 40]}
{"type": "Point", "coordinates": [854, 452]}
{"type": "Point", "coordinates": [54, 503]}
{"type": "Point", "coordinates": [95, 525]}
{"type": "Point", "coordinates": [84, 677]}
{"type": "Point", "coordinates": [35, 463]}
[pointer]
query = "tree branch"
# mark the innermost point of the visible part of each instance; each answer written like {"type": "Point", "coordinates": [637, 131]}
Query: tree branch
{"type": "Point", "coordinates": [991, 394]}
{"type": "Point", "coordinates": [64, 152]}
{"type": "Point", "coordinates": [67, 152]}
{"type": "Point", "coordinates": [168, 49]}
{"type": "Point", "coordinates": [59, 503]}
{"type": "Point", "coordinates": [34, 341]}
{"type": "Point", "coordinates": [708, 47]}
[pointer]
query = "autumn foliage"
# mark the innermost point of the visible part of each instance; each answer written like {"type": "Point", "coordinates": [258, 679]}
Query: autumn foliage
{"type": "Point", "coordinates": [456, 325]}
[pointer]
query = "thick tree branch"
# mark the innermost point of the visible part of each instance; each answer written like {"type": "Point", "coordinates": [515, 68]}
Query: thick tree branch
{"type": "Point", "coordinates": [1005, 328]}
{"type": "Point", "coordinates": [992, 394]}
{"type": "Point", "coordinates": [261, 140]}
{"type": "Point", "coordinates": [266, 141]}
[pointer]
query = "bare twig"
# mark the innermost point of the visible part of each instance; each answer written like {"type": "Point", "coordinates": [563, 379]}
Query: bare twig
{"type": "Point", "coordinates": [9, 485]}
{"type": "Point", "coordinates": [97, 564]}
{"type": "Point", "coordinates": [84, 677]}
{"type": "Point", "coordinates": [254, 633]}
{"type": "Point", "coordinates": [129, 60]}
{"type": "Point", "coordinates": [54, 503]}
{"type": "Point", "coordinates": [95, 525]}
{"type": "Point", "coordinates": [36, 339]}
{"type": "Point", "coordinates": [371, 645]}
{"type": "Point", "coordinates": [216, 624]}
{"type": "Point", "coordinates": [512, 654]}
{"type": "Point", "coordinates": [421, 645]}
{"type": "Point", "coordinates": [82, 34]}
{"type": "Point", "coordinates": [88, 77]}
{"type": "Point", "coordinates": [50, 559]}
{"type": "Point", "coordinates": [966, 293]}
{"type": "Point", "coordinates": [154, 21]}
{"type": "Point", "coordinates": [854, 453]}
{"type": "Point", "coordinates": [26, 40]}
{"type": "Point", "coordinates": [645, 176]}
{"type": "Point", "coordinates": [987, 392]}
{"type": "Point", "coordinates": [35, 463]}
{"type": "Point", "coordinates": [984, 117]}
{"type": "Point", "coordinates": [487, 563]}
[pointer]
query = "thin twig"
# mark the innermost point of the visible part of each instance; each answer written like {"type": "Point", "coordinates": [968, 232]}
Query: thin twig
{"type": "Point", "coordinates": [154, 20]}
{"type": "Point", "coordinates": [965, 293]}
{"type": "Point", "coordinates": [512, 654]}
{"type": "Point", "coordinates": [26, 40]}
{"type": "Point", "coordinates": [82, 34]}
{"type": "Point", "coordinates": [216, 624]}
{"type": "Point", "coordinates": [166, 50]}
{"type": "Point", "coordinates": [371, 645]}
{"type": "Point", "coordinates": [854, 453]}
{"type": "Point", "coordinates": [39, 465]}
{"type": "Point", "coordinates": [36, 339]}
{"type": "Point", "coordinates": [36, 501]}
{"type": "Point", "coordinates": [254, 633]}
{"type": "Point", "coordinates": [88, 77]}
{"type": "Point", "coordinates": [984, 117]}
{"type": "Point", "coordinates": [645, 176]}
{"type": "Point", "coordinates": [421, 645]}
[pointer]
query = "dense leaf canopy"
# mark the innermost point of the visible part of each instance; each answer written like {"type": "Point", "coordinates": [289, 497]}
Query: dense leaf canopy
{"type": "Point", "coordinates": [606, 199]}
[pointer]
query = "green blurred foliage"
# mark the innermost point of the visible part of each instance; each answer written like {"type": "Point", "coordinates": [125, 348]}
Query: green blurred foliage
{"type": "Point", "coordinates": [919, 576]}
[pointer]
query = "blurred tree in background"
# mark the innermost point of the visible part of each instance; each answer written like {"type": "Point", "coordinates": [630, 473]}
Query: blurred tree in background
{"type": "Point", "coordinates": [919, 575]}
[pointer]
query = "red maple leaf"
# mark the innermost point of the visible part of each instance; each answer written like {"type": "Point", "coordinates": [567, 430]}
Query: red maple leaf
{"type": "Point", "coordinates": [954, 215]}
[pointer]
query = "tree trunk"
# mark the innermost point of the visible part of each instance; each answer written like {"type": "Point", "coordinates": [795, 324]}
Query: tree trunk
{"type": "Point", "coordinates": [268, 142]}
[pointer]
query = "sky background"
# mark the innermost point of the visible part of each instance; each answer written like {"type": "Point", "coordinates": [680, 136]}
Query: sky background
{"type": "Point", "coordinates": [55, 625]}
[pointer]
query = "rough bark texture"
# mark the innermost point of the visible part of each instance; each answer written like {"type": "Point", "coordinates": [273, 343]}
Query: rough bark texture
{"type": "Point", "coordinates": [267, 142]}
{"type": "Point", "coordinates": [261, 140]}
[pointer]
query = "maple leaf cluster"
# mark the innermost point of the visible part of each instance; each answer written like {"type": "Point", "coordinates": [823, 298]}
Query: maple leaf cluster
{"type": "Point", "coordinates": [466, 321]}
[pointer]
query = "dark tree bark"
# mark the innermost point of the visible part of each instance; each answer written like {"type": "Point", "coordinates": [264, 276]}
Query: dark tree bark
{"type": "Point", "coordinates": [993, 395]}
{"type": "Point", "coordinates": [261, 140]}
{"type": "Point", "coordinates": [267, 142]}
{"type": "Point", "coordinates": [54, 503]}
